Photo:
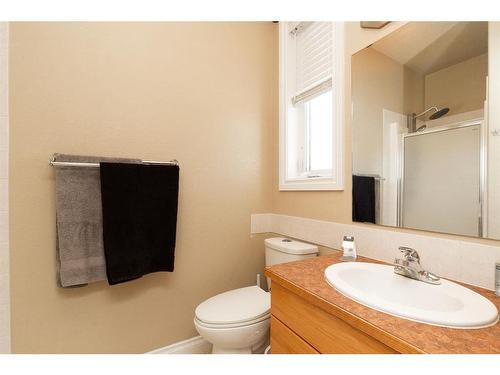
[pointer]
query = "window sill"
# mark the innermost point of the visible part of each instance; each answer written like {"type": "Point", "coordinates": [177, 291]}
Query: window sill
{"type": "Point", "coordinates": [311, 184]}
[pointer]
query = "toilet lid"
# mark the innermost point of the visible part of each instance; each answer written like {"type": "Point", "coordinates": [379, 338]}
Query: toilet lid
{"type": "Point", "coordinates": [235, 306]}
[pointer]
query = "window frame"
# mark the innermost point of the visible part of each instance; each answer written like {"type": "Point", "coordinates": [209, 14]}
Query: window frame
{"type": "Point", "coordinates": [286, 69]}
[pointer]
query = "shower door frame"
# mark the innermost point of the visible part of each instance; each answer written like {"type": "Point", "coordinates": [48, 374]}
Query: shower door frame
{"type": "Point", "coordinates": [482, 168]}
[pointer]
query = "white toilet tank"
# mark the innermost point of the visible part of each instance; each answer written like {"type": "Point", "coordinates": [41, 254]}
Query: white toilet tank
{"type": "Point", "coordinates": [283, 250]}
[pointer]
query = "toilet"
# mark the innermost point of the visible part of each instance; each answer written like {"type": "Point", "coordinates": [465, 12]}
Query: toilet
{"type": "Point", "coordinates": [237, 321]}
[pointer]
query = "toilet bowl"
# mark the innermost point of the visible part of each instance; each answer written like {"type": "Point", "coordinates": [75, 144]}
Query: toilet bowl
{"type": "Point", "coordinates": [236, 340]}
{"type": "Point", "coordinates": [238, 321]}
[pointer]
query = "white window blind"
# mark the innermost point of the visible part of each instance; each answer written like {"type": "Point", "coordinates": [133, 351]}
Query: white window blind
{"type": "Point", "coordinates": [314, 57]}
{"type": "Point", "coordinates": [311, 57]}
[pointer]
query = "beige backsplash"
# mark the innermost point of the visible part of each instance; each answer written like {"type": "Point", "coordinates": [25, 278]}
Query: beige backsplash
{"type": "Point", "coordinates": [466, 261]}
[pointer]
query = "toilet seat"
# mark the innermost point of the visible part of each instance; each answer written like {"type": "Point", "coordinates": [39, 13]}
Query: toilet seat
{"type": "Point", "coordinates": [235, 308]}
{"type": "Point", "coordinates": [232, 325]}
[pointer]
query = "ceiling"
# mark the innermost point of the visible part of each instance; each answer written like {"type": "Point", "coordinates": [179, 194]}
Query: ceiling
{"type": "Point", "coordinates": [427, 47]}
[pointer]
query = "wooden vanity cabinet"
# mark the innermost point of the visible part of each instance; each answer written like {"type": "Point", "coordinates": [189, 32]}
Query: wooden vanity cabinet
{"type": "Point", "coordinates": [310, 316]}
{"type": "Point", "coordinates": [299, 327]}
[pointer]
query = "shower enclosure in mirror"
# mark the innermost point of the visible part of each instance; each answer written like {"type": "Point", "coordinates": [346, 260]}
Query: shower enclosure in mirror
{"type": "Point", "coordinates": [421, 138]}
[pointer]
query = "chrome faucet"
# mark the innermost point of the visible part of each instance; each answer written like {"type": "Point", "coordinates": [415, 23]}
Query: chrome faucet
{"type": "Point", "coordinates": [409, 265]}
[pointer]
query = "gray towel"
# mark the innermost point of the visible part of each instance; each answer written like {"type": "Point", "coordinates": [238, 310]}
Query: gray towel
{"type": "Point", "coordinates": [79, 244]}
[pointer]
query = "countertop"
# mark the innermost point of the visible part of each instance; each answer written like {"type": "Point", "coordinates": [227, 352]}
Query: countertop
{"type": "Point", "coordinates": [306, 278]}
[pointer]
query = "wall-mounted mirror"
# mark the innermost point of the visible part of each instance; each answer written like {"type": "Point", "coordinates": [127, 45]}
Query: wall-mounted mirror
{"type": "Point", "coordinates": [422, 155]}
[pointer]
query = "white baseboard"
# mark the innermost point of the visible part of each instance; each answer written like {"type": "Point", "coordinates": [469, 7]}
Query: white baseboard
{"type": "Point", "coordinates": [194, 345]}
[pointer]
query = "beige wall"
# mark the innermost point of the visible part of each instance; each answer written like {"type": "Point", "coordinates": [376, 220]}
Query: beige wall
{"type": "Point", "coordinates": [461, 87]}
{"type": "Point", "coordinates": [336, 205]}
{"type": "Point", "coordinates": [493, 191]}
{"type": "Point", "coordinates": [413, 91]}
{"type": "Point", "coordinates": [378, 83]}
{"type": "Point", "coordinates": [201, 93]}
{"type": "Point", "coordinates": [4, 193]}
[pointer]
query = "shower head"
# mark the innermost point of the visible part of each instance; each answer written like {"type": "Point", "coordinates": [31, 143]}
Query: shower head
{"type": "Point", "coordinates": [421, 128]}
{"type": "Point", "coordinates": [439, 113]}
{"type": "Point", "coordinates": [412, 119]}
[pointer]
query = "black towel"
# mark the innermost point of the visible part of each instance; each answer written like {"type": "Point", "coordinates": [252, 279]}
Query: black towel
{"type": "Point", "coordinates": [363, 199]}
{"type": "Point", "coordinates": [139, 208]}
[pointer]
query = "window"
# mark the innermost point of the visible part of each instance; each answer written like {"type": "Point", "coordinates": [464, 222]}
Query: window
{"type": "Point", "coordinates": [311, 109]}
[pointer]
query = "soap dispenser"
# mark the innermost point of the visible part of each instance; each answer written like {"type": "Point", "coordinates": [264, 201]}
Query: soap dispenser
{"type": "Point", "coordinates": [349, 248]}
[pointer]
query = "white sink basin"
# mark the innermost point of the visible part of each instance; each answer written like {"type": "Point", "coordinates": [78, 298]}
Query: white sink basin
{"type": "Point", "coordinates": [377, 286]}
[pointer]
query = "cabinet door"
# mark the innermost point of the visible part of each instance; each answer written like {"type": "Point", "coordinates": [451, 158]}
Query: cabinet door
{"type": "Point", "coordinates": [284, 341]}
{"type": "Point", "coordinates": [323, 331]}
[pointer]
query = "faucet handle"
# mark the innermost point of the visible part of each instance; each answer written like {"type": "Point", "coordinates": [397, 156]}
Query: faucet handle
{"type": "Point", "coordinates": [410, 254]}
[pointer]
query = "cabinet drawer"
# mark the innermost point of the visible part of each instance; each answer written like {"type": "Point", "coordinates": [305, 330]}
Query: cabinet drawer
{"type": "Point", "coordinates": [284, 341]}
{"type": "Point", "coordinates": [323, 331]}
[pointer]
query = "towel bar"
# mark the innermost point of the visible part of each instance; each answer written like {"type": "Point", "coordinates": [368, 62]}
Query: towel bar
{"type": "Point", "coordinates": [54, 163]}
{"type": "Point", "coordinates": [375, 176]}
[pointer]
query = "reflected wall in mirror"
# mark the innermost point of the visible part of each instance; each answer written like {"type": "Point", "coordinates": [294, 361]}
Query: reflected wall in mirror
{"type": "Point", "coordinates": [422, 150]}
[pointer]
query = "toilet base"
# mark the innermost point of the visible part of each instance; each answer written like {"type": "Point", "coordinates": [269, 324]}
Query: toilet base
{"type": "Point", "coordinates": [217, 350]}
{"type": "Point", "coordinates": [261, 347]}
{"type": "Point", "coordinates": [258, 348]}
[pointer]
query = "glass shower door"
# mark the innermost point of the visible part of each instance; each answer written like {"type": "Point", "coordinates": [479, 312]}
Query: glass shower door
{"type": "Point", "coordinates": [441, 180]}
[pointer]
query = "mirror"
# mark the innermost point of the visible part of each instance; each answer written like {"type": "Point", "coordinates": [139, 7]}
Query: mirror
{"type": "Point", "coordinates": [420, 139]}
